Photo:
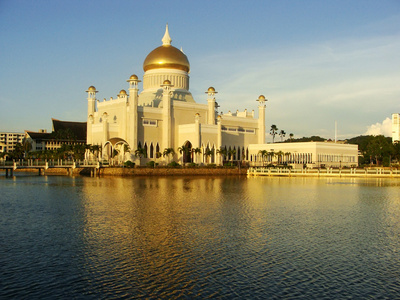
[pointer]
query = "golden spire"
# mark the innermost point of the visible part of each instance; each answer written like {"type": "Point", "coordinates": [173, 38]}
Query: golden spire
{"type": "Point", "coordinates": [166, 39]}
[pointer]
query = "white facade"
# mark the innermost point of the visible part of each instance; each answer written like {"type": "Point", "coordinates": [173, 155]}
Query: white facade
{"type": "Point", "coordinates": [395, 128]}
{"type": "Point", "coordinates": [165, 115]}
{"type": "Point", "coordinates": [311, 154]}
{"type": "Point", "coordinates": [8, 140]}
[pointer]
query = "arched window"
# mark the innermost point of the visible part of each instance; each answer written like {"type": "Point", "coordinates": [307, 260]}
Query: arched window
{"type": "Point", "coordinates": [158, 154]}
{"type": "Point", "coordinates": [151, 150]}
{"type": "Point", "coordinates": [145, 150]}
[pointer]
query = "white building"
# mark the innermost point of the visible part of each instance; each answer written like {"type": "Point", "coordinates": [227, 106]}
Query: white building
{"type": "Point", "coordinates": [8, 140]}
{"type": "Point", "coordinates": [164, 115]}
{"type": "Point", "coordinates": [395, 128]}
{"type": "Point", "coordinates": [311, 154]}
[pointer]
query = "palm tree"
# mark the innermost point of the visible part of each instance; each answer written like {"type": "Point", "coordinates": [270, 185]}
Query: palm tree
{"type": "Point", "coordinates": [222, 152]}
{"type": "Point", "coordinates": [271, 154]}
{"type": "Point", "coordinates": [167, 152]}
{"type": "Point", "coordinates": [231, 153]}
{"type": "Point", "coordinates": [282, 134]}
{"type": "Point", "coordinates": [264, 154]}
{"type": "Point", "coordinates": [273, 131]}
{"type": "Point", "coordinates": [208, 153]}
{"type": "Point", "coordinates": [291, 136]}
{"type": "Point", "coordinates": [279, 155]}
{"type": "Point", "coordinates": [27, 146]}
{"type": "Point", "coordinates": [184, 150]}
{"type": "Point", "coordinates": [287, 155]}
{"type": "Point", "coordinates": [196, 152]}
{"type": "Point", "coordinates": [141, 152]}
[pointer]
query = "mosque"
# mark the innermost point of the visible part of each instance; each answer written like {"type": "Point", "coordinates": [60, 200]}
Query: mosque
{"type": "Point", "coordinates": [163, 123]}
{"type": "Point", "coordinates": [165, 116]}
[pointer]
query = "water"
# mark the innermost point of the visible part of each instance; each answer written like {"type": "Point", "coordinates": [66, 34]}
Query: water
{"type": "Point", "coordinates": [226, 238]}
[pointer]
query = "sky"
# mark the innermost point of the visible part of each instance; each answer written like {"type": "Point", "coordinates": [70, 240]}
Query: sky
{"type": "Point", "coordinates": [316, 62]}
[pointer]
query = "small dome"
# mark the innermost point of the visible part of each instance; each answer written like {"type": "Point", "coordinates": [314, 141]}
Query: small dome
{"type": "Point", "coordinates": [261, 97]}
{"type": "Point", "coordinates": [133, 77]}
{"type": "Point", "coordinates": [122, 92]}
{"type": "Point", "coordinates": [166, 81]}
{"type": "Point", "coordinates": [91, 88]}
{"type": "Point", "coordinates": [211, 90]}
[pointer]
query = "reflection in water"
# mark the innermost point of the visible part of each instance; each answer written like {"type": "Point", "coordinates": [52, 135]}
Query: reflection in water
{"type": "Point", "coordinates": [199, 237]}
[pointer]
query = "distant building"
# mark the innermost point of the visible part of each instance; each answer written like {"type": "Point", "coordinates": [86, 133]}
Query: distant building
{"type": "Point", "coordinates": [395, 128]}
{"type": "Point", "coordinates": [8, 140]}
{"type": "Point", "coordinates": [63, 132]}
{"type": "Point", "coordinates": [311, 154]}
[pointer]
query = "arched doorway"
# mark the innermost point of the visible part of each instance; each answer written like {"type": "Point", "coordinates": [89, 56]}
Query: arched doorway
{"type": "Point", "coordinates": [187, 152]}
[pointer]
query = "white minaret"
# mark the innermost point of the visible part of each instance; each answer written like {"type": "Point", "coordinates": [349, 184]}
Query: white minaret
{"type": "Point", "coordinates": [211, 105]}
{"type": "Point", "coordinates": [166, 112]}
{"type": "Point", "coordinates": [132, 130]}
{"type": "Point", "coordinates": [91, 99]}
{"type": "Point", "coordinates": [261, 119]}
{"type": "Point", "coordinates": [90, 115]}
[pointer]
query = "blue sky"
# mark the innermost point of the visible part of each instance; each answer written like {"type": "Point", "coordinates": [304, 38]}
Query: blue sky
{"type": "Point", "coordinates": [315, 61]}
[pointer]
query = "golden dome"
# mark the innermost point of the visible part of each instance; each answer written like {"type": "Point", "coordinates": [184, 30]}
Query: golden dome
{"type": "Point", "coordinates": [211, 89]}
{"type": "Point", "coordinates": [91, 88]}
{"type": "Point", "coordinates": [122, 92]}
{"type": "Point", "coordinates": [166, 56]}
{"type": "Point", "coordinates": [166, 81]}
{"type": "Point", "coordinates": [261, 97]}
{"type": "Point", "coordinates": [133, 77]}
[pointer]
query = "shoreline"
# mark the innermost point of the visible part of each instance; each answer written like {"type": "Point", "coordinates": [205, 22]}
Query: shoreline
{"type": "Point", "coordinates": [125, 172]}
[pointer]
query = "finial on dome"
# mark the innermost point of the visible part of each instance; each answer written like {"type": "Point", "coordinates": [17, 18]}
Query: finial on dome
{"type": "Point", "coordinates": [166, 39]}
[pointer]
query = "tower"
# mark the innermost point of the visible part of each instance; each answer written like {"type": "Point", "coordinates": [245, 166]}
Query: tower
{"type": "Point", "coordinates": [211, 105]}
{"type": "Point", "coordinates": [133, 114]}
{"type": "Point", "coordinates": [166, 113]}
{"type": "Point", "coordinates": [261, 119]}
{"type": "Point", "coordinates": [91, 109]}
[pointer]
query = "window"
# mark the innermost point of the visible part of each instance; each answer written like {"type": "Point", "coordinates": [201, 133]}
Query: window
{"type": "Point", "coordinates": [148, 122]}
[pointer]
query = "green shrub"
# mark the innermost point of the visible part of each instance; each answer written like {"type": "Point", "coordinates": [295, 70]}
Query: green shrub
{"type": "Point", "coordinates": [211, 166]}
{"type": "Point", "coordinates": [173, 164]}
{"type": "Point", "coordinates": [129, 164]}
{"type": "Point", "coordinates": [191, 165]}
{"type": "Point", "coordinates": [151, 164]}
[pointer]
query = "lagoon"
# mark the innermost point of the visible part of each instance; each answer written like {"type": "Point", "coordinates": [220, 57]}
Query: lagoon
{"type": "Point", "coordinates": [199, 237]}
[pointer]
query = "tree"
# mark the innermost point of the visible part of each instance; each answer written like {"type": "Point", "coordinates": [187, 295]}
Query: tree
{"type": "Point", "coordinates": [282, 134]}
{"type": "Point", "coordinates": [196, 152]}
{"type": "Point", "coordinates": [167, 152]}
{"type": "Point", "coordinates": [207, 153]}
{"type": "Point", "coordinates": [184, 150]}
{"type": "Point", "coordinates": [264, 154]}
{"type": "Point", "coordinates": [27, 146]}
{"type": "Point", "coordinates": [378, 148]}
{"type": "Point", "coordinates": [291, 135]}
{"type": "Point", "coordinates": [231, 154]}
{"type": "Point", "coordinates": [140, 152]}
{"type": "Point", "coordinates": [287, 155]}
{"type": "Point", "coordinates": [279, 155]}
{"type": "Point", "coordinates": [271, 154]}
{"type": "Point", "coordinates": [222, 152]}
{"type": "Point", "coordinates": [273, 131]}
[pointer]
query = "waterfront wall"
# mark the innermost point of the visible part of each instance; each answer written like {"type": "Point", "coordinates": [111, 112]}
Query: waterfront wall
{"type": "Point", "coordinates": [172, 171]}
{"type": "Point", "coordinates": [151, 171]}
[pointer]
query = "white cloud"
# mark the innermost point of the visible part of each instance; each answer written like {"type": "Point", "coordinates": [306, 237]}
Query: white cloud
{"type": "Point", "coordinates": [384, 128]}
{"type": "Point", "coordinates": [309, 87]}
